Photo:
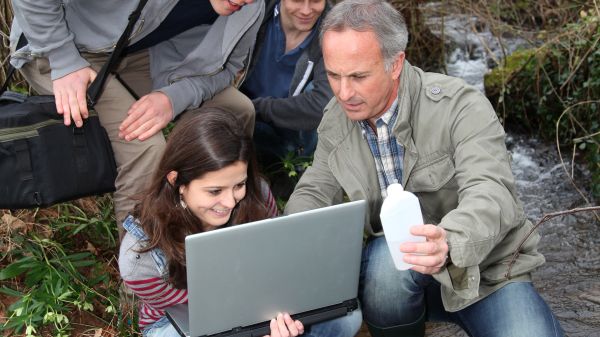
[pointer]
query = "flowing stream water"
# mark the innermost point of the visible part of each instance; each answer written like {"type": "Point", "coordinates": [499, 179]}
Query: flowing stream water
{"type": "Point", "coordinates": [570, 279]}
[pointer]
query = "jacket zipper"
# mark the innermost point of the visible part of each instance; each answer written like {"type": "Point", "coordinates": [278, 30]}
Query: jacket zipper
{"type": "Point", "coordinates": [138, 30]}
{"type": "Point", "coordinates": [241, 80]}
{"type": "Point", "coordinates": [218, 70]}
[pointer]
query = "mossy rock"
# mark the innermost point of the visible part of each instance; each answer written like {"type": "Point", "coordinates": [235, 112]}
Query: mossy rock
{"type": "Point", "coordinates": [496, 80]}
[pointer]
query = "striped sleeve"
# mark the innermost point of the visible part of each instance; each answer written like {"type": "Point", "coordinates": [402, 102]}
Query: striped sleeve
{"type": "Point", "coordinates": [270, 202]}
{"type": "Point", "coordinates": [141, 275]}
{"type": "Point", "coordinates": [155, 295]}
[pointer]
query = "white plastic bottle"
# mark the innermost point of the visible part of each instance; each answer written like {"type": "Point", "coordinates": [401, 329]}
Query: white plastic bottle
{"type": "Point", "coordinates": [399, 212]}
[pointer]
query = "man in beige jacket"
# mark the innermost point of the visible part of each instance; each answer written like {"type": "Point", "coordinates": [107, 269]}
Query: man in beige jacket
{"type": "Point", "coordinates": [441, 139]}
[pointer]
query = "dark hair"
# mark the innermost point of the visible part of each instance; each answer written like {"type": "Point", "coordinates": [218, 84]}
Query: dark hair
{"type": "Point", "coordinates": [208, 141]}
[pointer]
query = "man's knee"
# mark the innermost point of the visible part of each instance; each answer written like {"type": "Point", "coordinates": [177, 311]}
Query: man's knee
{"type": "Point", "coordinates": [136, 163]}
{"type": "Point", "coordinates": [240, 105]}
{"type": "Point", "coordinates": [412, 329]}
{"type": "Point", "coordinates": [389, 297]}
{"type": "Point", "coordinates": [37, 75]}
{"type": "Point", "coordinates": [243, 108]}
{"type": "Point", "coordinates": [516, 309]}
{"type": "Point", "coordinates": [385, 305]}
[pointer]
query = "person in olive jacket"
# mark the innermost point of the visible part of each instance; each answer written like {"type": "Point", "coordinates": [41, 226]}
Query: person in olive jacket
{"type": "Point", "coordinates": [441, 139]}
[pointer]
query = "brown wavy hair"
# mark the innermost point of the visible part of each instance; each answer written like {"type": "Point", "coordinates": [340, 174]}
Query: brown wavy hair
{"type": "Point", "coordinates": [206, 142]}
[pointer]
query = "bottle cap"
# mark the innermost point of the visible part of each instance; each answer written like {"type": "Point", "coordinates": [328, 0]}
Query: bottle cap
{"type": "Point", "coordinates": [394, 188]}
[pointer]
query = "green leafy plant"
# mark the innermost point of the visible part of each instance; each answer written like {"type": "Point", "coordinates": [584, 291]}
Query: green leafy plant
{"type": "Point", "coordinates": [294, 165]}
{"type": "Point", "coordinates": [56, 272]}
{"type": "Point", "coordinates": [53, 285]}
{"type": "Point", "coordinates": [554, 90]}
{"type": "Point", "coordinates": [283, 175]}
{"type": "Point", "coordinates": [97, 227]}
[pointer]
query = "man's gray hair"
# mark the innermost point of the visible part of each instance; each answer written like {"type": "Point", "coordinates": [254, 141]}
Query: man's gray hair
{"type": "Point", "coordinates": [377, 16]}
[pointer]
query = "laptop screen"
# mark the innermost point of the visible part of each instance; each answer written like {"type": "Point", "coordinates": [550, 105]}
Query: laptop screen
{"type": "Point", "coordinates": [244, 275]}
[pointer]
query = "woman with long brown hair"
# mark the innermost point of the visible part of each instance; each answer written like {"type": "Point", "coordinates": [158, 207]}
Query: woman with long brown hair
{"type": "Point", "coordinates": [207, 179]}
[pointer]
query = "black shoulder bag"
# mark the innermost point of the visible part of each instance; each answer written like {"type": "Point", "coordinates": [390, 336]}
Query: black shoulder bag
{"type": "Point", "coordinates": [42, 161]}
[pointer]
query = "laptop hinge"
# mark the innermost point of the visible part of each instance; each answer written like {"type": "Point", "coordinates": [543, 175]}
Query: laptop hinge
{"type": "Point", "coordinates": [351, 305]}
{"type": "Point", "coordinates": [307, 318]}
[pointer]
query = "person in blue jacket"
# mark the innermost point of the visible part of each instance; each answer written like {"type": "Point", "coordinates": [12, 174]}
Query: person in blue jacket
{"type": "Point", "coordinates": [286, 79]}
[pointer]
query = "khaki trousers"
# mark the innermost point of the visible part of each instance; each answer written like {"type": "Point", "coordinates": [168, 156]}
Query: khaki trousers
{"type": "Point", "coordinates": [136, 160]}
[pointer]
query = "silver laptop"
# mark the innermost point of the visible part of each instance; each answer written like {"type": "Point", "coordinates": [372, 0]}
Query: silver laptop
{"type": "Point", "coordinates": [240, 277]}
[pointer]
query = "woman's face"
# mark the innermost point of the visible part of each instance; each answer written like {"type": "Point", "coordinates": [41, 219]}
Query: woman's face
{"type": "Point", "coordinates": [212, 197]}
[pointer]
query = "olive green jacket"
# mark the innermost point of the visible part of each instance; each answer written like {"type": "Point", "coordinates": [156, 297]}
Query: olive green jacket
{"type": "Point", "coordinates": [457, 164]}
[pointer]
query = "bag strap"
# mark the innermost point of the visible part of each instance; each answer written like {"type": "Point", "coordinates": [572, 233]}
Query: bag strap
{"type": "Point", "coordinates": [95, 89]}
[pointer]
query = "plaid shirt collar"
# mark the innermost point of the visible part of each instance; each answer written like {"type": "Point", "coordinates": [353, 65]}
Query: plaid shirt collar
{"type": "Point", "coordinates": [386, 150]}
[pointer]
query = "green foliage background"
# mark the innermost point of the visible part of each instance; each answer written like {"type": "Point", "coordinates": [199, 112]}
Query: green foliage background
{"type": "Point", "coordinates": [553, 90]}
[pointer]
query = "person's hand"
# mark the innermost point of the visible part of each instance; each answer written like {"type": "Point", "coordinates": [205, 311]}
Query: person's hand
{"type": "Point", "coordinates": [285, 326]}
{"type": "Point", "coordinates": [70, 95]}
{"type": "Point", "coordinates": [147, 116]}
{"type": "Point", "coordinates": [428, 257]}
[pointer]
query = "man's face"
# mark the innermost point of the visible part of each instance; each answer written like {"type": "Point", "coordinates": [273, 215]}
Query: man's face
{"type": "Point", "coordinates": [228, 7]}
{"type": "Point", "coordinates": [301, 15]}
{"type": "Point", "coordinates": [356, 73]}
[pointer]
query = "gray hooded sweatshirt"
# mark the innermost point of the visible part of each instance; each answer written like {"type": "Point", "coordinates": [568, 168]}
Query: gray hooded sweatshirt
{"type": "Point", "coordinates": [189, 68]}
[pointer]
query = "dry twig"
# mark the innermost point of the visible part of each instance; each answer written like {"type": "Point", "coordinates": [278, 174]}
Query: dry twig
{"type": "Point", "coordinates": [545, 218]}
{"type": "Point", "coordinates": [571, 175]}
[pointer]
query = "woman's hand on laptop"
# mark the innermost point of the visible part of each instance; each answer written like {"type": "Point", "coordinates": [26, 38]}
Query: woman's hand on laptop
{"type": "Point", "coordinates": [285, 326]}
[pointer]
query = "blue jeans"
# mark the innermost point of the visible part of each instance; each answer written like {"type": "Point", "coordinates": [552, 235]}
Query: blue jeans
{"type": "Point", "coordinates": [275, 143]}
{"type": "Point", "coordinates": [391, 298]}
{"type": "Point", "coordinates": [346, 326]}
{"type": "Point", "coordinates": [161, 328]}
